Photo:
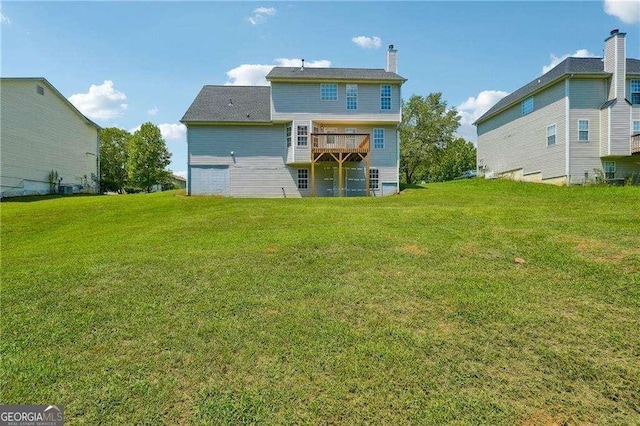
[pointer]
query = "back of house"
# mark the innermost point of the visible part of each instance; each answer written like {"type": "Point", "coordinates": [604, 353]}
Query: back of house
{"type": "Point", "coordinates": [578, 121]}
{"type": "Point", "coordinates": [312, 132]}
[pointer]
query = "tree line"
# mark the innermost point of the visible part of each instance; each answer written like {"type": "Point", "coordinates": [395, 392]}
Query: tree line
{"type": "Point", "coordinates": [429, 148]}
{"type": "Point", "coordinates": [133, 162]}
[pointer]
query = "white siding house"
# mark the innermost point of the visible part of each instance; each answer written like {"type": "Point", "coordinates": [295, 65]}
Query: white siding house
{"type": "Point", "coordinates": [41, 131]}
{"type": "Point", "coordinates": [580, 117]}
{"type": "Point", "coordinates": [312, 132]}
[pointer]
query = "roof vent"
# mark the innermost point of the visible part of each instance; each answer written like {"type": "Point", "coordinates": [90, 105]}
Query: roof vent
{"type": "Point", "coordinates": [302, 67]}
{"type": "Point", "coordinates": [615, 31]}
{"type": "Point", "coordinates": [230, 102]}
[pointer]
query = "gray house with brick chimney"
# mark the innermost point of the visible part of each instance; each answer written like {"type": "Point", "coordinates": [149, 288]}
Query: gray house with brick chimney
{"type": "Point", "coordinates": [581, 116]}
{"type": "Point", "coordinates": [314, 132]}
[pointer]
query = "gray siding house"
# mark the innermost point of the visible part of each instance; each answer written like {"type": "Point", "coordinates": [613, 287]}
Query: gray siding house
{"type": "Point", "coordinates": [42, 131]}
{"type": "Point", "coordinates": [313, 132]}
{"type": "Point", "coordinates": [581, 116]}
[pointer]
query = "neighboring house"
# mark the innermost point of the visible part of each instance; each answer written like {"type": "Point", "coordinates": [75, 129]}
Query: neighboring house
{"type": "Point", "coordinates": [582, 116]}
{"type": "Point", "coordinates": [313, 132]}
{"type": "Point", "coordinates": [41, 131]}
{"type": "Point", "coordinates": [179, 182]}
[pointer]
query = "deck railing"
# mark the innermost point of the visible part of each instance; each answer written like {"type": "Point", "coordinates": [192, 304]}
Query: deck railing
{"type": "Point", "coordinates": [340, 142]}
{"type": "Point", "coordinates": [635, 143]}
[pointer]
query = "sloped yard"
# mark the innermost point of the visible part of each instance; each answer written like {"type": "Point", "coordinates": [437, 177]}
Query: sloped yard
{"type": "Point", "coordinates": [408, 309]}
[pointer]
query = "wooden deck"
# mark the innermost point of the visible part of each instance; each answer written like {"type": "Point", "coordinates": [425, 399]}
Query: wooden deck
{"type": "Point", "coordinates": [341, 148]}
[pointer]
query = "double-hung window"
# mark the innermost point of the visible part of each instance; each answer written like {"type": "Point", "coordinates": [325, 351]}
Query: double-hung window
{"type": "Point", "coordinates": [378, 138]}
{"type": "Point", "coordinates": [329, 92]}
{"type": "Point", "coordinates": [636, 126]}
{"type": "Point", "coordinates": [303, 135]}
{"type": "Point", "coordinates": [635, 92]}
{"type": "Point", "coordinates": [551, 135]}
{"type": "Point", "coordinates": [609, 169]}
{"type": "Point", "coordinates": [374, 178]}
{"type": "Point", "coordinates": [288, 135]}
{"type": "Point", "coordinates": [527, 105]}
{"type": "Point", "coordinates": [385, 97]}
{"type": "Point", "coordinates": [352, 96]}
{"type": "Point", "coordinates": [303, 178]}
{"type": "Point", "coordinates": [583, 130]}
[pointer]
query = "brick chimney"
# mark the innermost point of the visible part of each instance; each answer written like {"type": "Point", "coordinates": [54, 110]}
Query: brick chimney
{"type": "Point", "coordinates": [615, 63]}
{"type": "Point", "coordinates": [392, 60]}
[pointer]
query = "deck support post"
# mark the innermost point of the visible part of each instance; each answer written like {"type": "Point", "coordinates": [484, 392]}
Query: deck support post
{"type": "Point", "coordinates": [340, 175]}
{"type": "Point", "coordinates": [313, 177]}
{"type": "Point", "coordinates": [367, 164]}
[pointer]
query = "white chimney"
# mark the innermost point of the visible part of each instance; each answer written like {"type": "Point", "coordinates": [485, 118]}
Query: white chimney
{"type": "Point", "coordinates": [392, 60]}
{"type": "Point", "coordinates": [615, 63]}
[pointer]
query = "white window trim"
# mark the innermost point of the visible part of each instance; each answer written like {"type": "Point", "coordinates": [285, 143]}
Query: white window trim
{"type": "Point", "coordinates": [288, 135]}
{"type": "Point", "coordinates": [329, 100]}
{"type": "Point", "coordinates": [302, 179]}
{"type": "Point", "coordinates": [631, 91]}
{"type": "Point", "coordinates": [604, 166]}
{"type": "Point", "coordinates": [346, 102]}
{"type": "Point", "coordinates": [298, 136]}
{"type": "Point", "coordinates": [555, 134]}
{"type": "Point", "coordinates": [377, 178]}
{"type": "Point", "coordinates": [588, 130]}
{"type": "Point", "coordinates": [633, 125]}
{"type": "Point", "coordinates": [374, 138]}
{"type": "Point", "coordinates": [390, 97]}
{"type": "Point", "coordinates": [533, 105]}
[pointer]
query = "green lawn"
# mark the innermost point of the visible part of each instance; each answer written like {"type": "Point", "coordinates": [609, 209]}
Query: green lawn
{"type": "Point", "coordinates": [169, 309]}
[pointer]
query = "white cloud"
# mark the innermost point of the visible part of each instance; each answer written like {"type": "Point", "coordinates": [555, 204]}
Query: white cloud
{"type": "Point", "coordinates": [555, 60]}
{"type": "Point", "coordinates": [100, 102]}
{"type": "Point", "coordinates": [254, 74]}
{"type": "Point", "coordinates": [473, 108]}
{"type": "Point", "coordinates": [153, 111]}
{"type": "Point", "coordinates": [628, 11]}
{"type": "Point", "coordinates": [367, 42]}
{"type": "Point", "coordinates": [173, 132]}
{"type": "Point", "coordinates": [4, 19]}
{"type": "Point", "coordinates": [260, 15]}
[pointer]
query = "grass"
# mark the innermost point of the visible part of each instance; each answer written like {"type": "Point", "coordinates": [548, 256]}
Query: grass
{"type": "Point", "coordinates": [168, 309]}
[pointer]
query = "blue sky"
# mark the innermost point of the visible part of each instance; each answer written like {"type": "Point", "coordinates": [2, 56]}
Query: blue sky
{"type": "Point", "coordinates": [125, 63]}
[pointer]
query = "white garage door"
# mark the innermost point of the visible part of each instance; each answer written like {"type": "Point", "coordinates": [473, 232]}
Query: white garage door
{"type": "Point", "coordinates": [210, 180]}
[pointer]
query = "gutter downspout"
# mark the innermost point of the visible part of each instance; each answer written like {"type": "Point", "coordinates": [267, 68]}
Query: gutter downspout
{"type": "Point", "coordinates": [567, 129]}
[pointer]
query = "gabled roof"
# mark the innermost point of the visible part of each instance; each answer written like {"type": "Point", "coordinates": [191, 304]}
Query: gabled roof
{"type": "Point", "coordinates": [57, 93]}
{"type": "Point", "coordinates": [579, 66]}
{"type": "Point", "coordinates": [332, 74]}
{"type": "Point", "coordinates": [230, 104]}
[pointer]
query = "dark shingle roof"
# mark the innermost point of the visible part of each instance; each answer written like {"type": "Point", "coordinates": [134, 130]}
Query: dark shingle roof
{"type": "Point", "coordinates": [287, 73]}
{"type": "Point", "coordinates": [233, 104]}
{"type": "Point", "coordinates": [585, 66]}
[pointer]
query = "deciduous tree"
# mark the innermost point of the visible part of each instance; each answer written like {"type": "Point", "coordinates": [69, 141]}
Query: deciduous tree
{"type": "Point", "coordinates": [148, 158]}
{"type": "Point", "coordinates": [113, 159]}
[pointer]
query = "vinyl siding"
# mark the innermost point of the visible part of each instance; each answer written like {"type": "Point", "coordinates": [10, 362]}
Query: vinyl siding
{"type": "Point", "coordinates": [511, 141]}
{"type": "Point", "coordinates": [624, 166]}
{"type": "Point", "coordinates": [257, 168]}
{"type": "Point", "coordinates": [40, 133]}
{"type": "Point", "coordinates": [586, 97]}
{"type": "Point", "coordinates": [620, 143]}
{"type": "Point", "coordinates": [302, 101]}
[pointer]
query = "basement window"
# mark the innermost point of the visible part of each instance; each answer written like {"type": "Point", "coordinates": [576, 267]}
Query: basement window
{"type": "Point", "coordinates": [303, 178]}
{"type": "Point", "coordinates": [609, 169]}
{"type": "Point", "coordinates": [40, 90]}
{"type": "Point", "coordinates": [374, 178]}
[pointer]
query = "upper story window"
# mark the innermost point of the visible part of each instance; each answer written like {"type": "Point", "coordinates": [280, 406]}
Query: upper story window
{"type": "Point", "coordinates": [636, 126]}
{"type": "Point", "coordinates": [527, 105]}
{"type": "Point", "coordinates": [303, 135]}
{"type": "Point", "coordinates": [289, 135]}
{"type": "Point", "coordinates": [635, 92]}
{"type": "Point", "coordinates": [329, 92]}
{"type": "Point", "coordinates": [40, 89]}
{"type": "Point", "coordinates": [583, 130]}
{"type": "Point", "coordinates": [385, 97]}
{"type": "Point", "coordinates": [352, 96]}
{"type": "Point", "coordinates": [378, 138]}
{"type": "Point", "coordinates": [551, 135]}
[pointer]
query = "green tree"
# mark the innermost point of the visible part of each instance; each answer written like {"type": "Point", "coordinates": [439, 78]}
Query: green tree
{"type": "Point", "coordinates": [427, 127]}
{"type": "Point", "coordinates": [148, 158]}
{"type": "Point", "coordinates": [113, 159]}
{"type": "Point", "coordinates": [453, 159]}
